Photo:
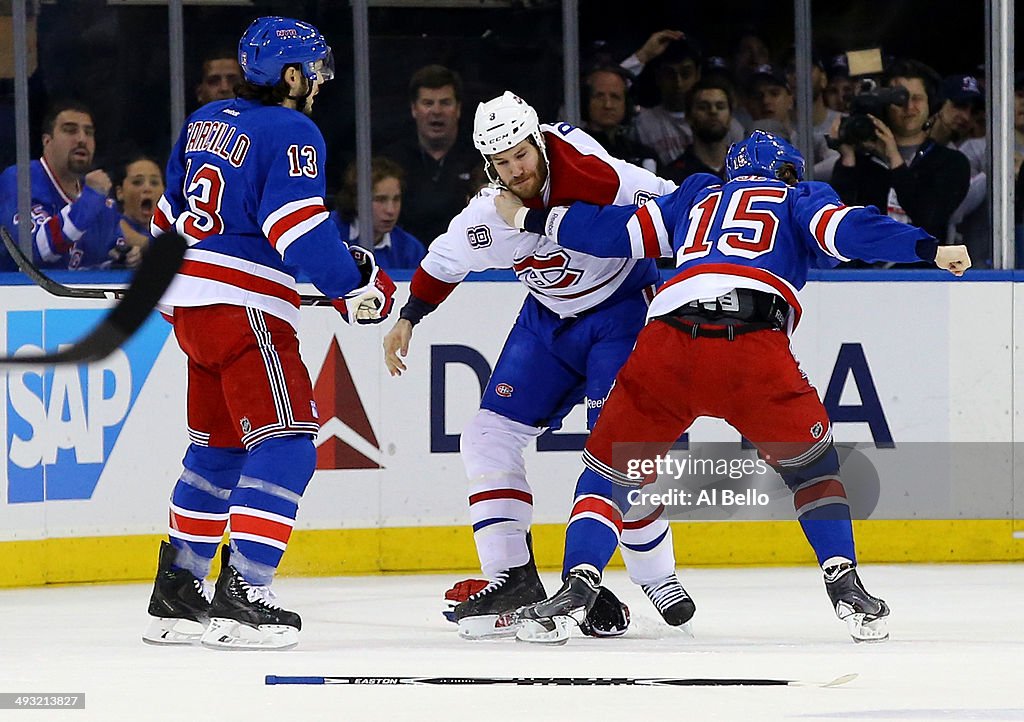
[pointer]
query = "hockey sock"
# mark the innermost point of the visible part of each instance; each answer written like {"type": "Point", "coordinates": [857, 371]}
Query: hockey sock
{"type": "Point", "coordinates": [500, 498]}
{"type": "Point", "coordinates": [646, 546]}
{"type": "Point", "coordinates": [501, 509]}
{"type": "Point", "coordinates": [264, 504]}
{"type": "Point", "coordinates": [821, 506]}
{"type": "Point", "coordinates": [199, 505]}
{"type": "Point", "coordinates": [595, 523]}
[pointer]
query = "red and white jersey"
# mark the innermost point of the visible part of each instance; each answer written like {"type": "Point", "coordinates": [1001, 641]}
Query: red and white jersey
{"type": "Point", "coordinates": [567, 282]}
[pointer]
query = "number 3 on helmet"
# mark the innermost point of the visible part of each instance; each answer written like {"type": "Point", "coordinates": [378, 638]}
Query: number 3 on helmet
{"type": "Point", "coordinates": [763, 154]}
{"type": "Point", "coordinates": [272, 43]}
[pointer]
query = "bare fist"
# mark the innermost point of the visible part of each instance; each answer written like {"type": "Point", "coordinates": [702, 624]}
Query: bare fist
{"type": "Point", "coordinates": [507, 205]}
{"type": "Point", "coordinates": [99, 181]}
{"type": "Point", "coordinates": [954, 259]}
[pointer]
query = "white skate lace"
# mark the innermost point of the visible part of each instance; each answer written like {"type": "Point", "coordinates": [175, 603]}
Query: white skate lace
{"type": "Point", "coordinates": [261, 595]}
{"type": "Point", "coordinates": [665, 593]}
{"type": "Point", "coordinates": [499, 580]}
{"type": "Point", "coordinates": [204, 588]}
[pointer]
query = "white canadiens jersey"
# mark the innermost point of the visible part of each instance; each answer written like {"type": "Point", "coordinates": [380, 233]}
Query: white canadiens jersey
{"type": "Point", "coordinates": [566, 282]}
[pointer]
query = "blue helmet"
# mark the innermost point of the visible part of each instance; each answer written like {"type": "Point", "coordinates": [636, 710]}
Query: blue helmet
{"type": "Point", "coordinates": [762, 154]}
{"type": "Point", "coordinates": [273, 43]}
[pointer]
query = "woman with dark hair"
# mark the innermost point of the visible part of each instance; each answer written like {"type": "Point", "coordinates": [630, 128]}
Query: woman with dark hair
{"type": "Point", "coordinates": [392, 246]}
{"type": "Point", "coordinates": [138, 185]}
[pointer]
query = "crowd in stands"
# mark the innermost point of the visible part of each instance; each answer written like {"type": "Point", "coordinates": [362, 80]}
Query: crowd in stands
{"type": "Point", "coordinates": [921, 156]}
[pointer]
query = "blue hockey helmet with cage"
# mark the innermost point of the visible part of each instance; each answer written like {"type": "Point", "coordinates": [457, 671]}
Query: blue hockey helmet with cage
{"type": "Point", "coordinates": [762, 154]}
{"type": "Point", "coordinates": [272, 43]}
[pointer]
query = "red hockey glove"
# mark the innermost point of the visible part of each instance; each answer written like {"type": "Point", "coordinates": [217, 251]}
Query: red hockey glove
{"type": "Point", "coordinates": [372, 302]}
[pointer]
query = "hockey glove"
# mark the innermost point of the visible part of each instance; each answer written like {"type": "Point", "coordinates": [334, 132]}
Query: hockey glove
{"type": "Point", "coordinates": [607, 618]}
{"type": "Point", "coordinates": [371, 302]}
{"type": "Point", "coordinates": [459, 593]}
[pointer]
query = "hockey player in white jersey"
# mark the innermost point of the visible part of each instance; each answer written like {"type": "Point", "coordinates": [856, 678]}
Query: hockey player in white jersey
{"type": "Point", "coordinates": [574, 331]}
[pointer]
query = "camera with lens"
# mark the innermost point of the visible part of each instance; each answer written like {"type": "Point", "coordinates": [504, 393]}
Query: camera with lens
{"type": "Point", "coordinates": [857, 128]}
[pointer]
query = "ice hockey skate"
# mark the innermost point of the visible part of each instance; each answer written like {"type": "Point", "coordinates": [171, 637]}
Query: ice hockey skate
{"type": "Point", "coordinates": [179, 604]}
{"type": "Point", "coordinates": [551, 621]}
{"type": "Point", "coordinates": [864, 614]}
{"type": "Point", "coordinates": [672, 602]}
{"type": "Point", "coordinates": [246, 616]}
{"type": "Point", "coordinates": [609, 617]}
{"type": "Point", "coordinates": [490, 612]}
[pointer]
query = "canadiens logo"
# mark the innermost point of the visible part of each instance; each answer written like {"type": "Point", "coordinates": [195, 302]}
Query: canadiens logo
{"type": "Point", "coordinates": [504, 390]}
{"type": "Point", "coordinates": [548, 272]}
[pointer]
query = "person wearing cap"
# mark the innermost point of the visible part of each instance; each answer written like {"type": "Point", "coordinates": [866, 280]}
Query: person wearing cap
{"type": "Point", "coordinates": [839, 87]}
{"type": "Point", "coordinates": [772, 93]}
{"type": "Point", "coordinates": [962, 99]}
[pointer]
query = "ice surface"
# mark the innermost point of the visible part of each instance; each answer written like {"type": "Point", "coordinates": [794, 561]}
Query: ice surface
{"type": "Point", "coordinates": [956, 653]}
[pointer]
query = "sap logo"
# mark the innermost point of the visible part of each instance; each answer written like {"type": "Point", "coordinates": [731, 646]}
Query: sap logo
{"type": "Point", "coordinates": [63, 421]}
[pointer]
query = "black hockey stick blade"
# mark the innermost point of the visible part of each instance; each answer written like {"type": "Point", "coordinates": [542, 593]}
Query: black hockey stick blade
{"type": "Point", "coordinates": [56, 288]}
{"type": "Point", "coordinates": [159, 265]}
{"type": "Point", "coordinates": [563, 681]}
{"type": "Point", "coordinates": [45, 282]}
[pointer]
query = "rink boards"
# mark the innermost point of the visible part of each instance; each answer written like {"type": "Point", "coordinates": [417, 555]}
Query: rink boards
{"type": "Point", "coordinates": [92, 452]}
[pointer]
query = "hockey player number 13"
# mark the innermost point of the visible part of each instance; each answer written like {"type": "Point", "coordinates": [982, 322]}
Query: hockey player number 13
{"type": "Point", "coordinates": [743, 230]}
{"type": "Point", "coordinates": [204, 193]}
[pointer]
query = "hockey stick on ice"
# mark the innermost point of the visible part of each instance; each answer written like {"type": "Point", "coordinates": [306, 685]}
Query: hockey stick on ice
{"type": "Point", "coordinates": [564, 681]}
{"type": "Point", "coordinates": [161, 261]}
{"type": "Point", "coordinates": [55, 288]}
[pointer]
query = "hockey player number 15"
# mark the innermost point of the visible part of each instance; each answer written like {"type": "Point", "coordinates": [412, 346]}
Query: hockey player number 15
{"type": "Point", "coordinates": [204, 194]}
{"type": "Point", "coordinates": [744, 230]}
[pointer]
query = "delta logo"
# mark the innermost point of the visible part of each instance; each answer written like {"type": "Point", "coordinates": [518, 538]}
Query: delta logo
{"type": "Point", "coordinates": [346, 439]}
{"type": "Point", "coordinates": [63, 422]}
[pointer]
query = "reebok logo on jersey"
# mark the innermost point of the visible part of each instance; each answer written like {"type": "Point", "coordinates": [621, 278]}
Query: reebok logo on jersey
{"type": "Point", "coordinates": [816, 430]}
{"type": "Point", "coordinates": [595, 403]}
{"type": "Point", "coordinates": [504, 390]}
{"type": "Point", "coordinates": [346, 439]}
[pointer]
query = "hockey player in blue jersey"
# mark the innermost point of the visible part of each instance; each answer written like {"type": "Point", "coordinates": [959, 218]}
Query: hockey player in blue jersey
{"type": "Point", "coordinates": [74, 224]}
{"type": "Point", "coordinates": [245, 186]}
{"type": "Point", "coordinates": [718, 345]}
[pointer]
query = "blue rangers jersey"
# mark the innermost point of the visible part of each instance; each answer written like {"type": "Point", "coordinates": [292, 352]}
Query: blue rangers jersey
{"type": "Point", "coordinates": [245, 188]}
{"type": "Point", "coordinates": [751, 232]}
{"type": "Point", "coordinates": [66, 232]}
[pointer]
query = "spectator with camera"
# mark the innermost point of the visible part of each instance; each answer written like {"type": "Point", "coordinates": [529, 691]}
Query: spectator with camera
{"type": "Point", "coordinates": [887, 159]}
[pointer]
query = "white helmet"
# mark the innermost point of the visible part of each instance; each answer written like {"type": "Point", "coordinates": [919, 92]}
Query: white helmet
{"type": "Point", "coordinates": [502, 123]}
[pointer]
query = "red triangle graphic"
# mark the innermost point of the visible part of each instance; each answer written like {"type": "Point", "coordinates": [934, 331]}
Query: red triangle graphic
{"type": "Point", "coordinates": [336, 454]}
{"type": "Point", "coordinates": [336, 396]}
